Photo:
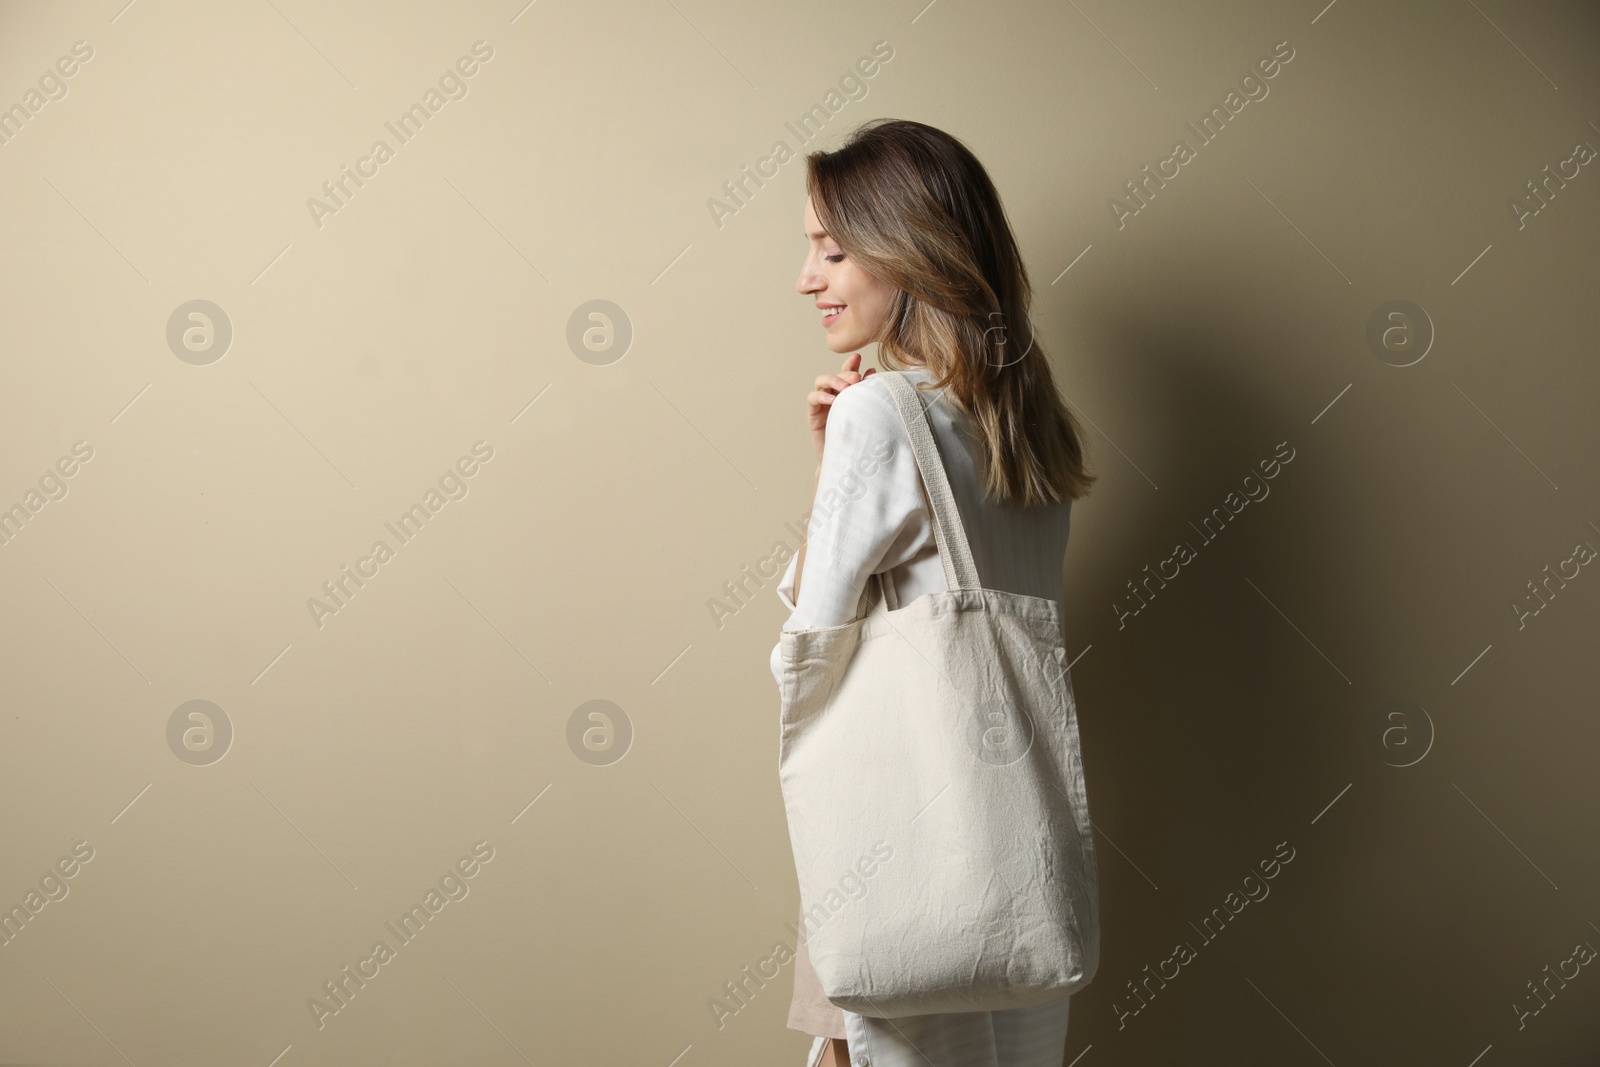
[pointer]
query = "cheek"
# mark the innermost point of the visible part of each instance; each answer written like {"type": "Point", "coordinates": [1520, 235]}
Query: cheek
{"type": "Point", "coordinates": [864, 291]}
{"type": "Point", "coordinates": [875, 297]}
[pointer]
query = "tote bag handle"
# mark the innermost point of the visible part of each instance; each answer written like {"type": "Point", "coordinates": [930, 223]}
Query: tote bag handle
{"type": "Point", "coordinates": [948, 532]}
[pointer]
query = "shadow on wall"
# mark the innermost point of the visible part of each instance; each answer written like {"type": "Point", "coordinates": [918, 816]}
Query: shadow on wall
{"type": "Point", "coordinates": [1231, 700]}
{"type": "Point", "coordinates": [1288, 679]}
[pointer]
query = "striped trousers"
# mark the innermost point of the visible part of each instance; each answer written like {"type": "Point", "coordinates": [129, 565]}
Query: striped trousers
{"type": "Point", "coordinates": [1017, 1037]}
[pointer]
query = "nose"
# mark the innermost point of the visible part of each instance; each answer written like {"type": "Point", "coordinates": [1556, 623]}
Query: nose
{"type": "Point", "coordinates": [810, 280]}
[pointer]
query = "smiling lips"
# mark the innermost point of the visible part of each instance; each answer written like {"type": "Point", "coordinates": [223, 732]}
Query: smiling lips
{"type": "Point", "coordinates": [830, 313]}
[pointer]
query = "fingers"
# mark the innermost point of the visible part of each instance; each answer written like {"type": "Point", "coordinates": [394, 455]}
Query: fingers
{"type": "Point", "coordinates": [836, 383]}
{"type": "Point", "coordinates": [829, 386]}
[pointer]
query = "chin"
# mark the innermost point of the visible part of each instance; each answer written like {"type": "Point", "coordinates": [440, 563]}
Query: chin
{"type": "Point", "coordinates": [844, 343]}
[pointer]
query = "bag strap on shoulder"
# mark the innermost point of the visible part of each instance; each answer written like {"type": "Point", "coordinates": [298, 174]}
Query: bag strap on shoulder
{"type": "Point", "coordinates": [948, 532]}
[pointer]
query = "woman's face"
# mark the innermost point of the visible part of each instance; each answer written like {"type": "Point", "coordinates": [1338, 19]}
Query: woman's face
{"type": "Point", "coordinates": [854, 305]}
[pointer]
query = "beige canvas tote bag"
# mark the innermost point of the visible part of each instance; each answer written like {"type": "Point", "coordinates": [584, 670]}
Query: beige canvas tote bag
{"type": "Point", "coordinates": [933, 781]}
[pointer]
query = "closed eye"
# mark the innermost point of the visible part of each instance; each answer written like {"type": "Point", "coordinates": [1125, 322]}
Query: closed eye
{"type": "Point", "coordinates": [834, 259]}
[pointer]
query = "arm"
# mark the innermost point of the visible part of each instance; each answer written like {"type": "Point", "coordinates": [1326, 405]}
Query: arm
{"type": "Point", "coordinates": [819, 402]}
{"type": "Point", "coordinates": [869, 513]}
{"type": "Point", "coordinates": [800, 560]}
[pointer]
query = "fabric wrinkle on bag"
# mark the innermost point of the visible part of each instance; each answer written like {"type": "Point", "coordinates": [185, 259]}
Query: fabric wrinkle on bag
{"type": "Point", "coordinates": [936, 746]}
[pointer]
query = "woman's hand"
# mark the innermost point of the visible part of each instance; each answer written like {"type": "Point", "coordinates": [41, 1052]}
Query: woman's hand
{"type": "Point", "coordinates": [829, 386]}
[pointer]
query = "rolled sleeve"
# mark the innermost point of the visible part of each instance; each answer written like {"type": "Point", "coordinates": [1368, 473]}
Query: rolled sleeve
{"type": "Point", "coordinates": [786, 584]}
{"type": "Point", "coordinates": [786, 597]}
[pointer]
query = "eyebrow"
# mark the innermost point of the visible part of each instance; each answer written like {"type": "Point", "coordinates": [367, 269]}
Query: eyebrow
{"type": "Point", "coordinates": [819, 233]}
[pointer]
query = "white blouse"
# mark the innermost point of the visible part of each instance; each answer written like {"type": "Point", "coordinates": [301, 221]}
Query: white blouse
{"type": "Point", "coordinates": [871, 516]}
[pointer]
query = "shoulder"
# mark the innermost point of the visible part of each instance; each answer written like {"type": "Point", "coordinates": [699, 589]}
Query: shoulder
{"type": "Point", "coordinates": [868, 404]}
{"type": "Point", "coordinates": [864, 418]}
{"type": "Point", "coordinates": [865, 421]}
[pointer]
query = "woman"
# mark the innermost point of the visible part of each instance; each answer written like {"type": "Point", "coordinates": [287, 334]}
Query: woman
{"type": "Point", "coordinates": [910, 248]}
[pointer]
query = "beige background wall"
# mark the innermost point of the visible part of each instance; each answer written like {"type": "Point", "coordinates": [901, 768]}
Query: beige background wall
{"type": "Point", "coordinates": [1360, 616]}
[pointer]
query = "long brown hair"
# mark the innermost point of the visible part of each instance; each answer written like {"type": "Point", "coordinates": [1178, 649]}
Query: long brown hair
{"type": "Point", "coordinates": [914, 207]}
